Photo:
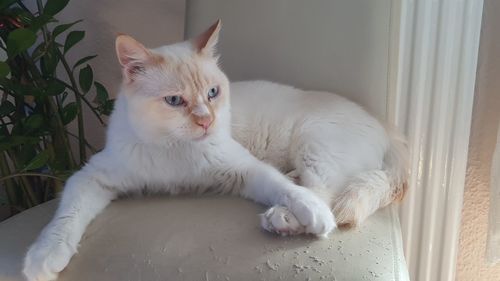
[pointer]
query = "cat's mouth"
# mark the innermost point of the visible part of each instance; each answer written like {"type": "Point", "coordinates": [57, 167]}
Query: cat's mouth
{"type": "Point", "coordinates": [202, 137]}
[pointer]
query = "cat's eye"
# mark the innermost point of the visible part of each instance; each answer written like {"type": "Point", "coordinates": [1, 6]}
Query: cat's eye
{"type": "Point", "coordinates": [175, 100]}
{"type": "Point", "coordinates": [213, 92]}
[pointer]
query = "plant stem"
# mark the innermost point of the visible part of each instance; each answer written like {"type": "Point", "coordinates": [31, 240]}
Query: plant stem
{"type": "Point", "coordinates": [44, 28]}
{"type": "Point", "coordinates": [59, 126]}
{"type": "Point", "coordinates": [62, 133]}
{"type": "Point", "coordinates": [78, 100]}
{"type": "Point", "coordinates": [25, 184]}
{"type": "Point", "coordinates": [87, 144]}
{"type": "Point", "coordinates": [86, 101]}
{"type": "Point", "coordinates": [30, 175]}
{"type": "Point", "coordinates": [9, 185]}
{"type": "Point", "coordinates": [29, 191]}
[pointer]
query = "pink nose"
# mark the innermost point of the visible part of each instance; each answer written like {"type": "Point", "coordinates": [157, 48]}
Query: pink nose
{"type": "Point", "coordinates": [204, 122]}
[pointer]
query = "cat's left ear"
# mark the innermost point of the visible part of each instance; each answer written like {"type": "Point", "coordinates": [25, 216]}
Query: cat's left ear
{"type": "Point", "coordinates": [205, 42]}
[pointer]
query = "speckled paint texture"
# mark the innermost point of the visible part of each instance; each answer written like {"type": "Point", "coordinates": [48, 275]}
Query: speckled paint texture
{"type": "Point", "coordinates": [472, 264]}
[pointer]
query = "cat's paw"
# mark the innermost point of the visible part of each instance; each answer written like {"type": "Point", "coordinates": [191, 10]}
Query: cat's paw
{"type": "Point", "coordinates": [280, 220]}
{"type": "Point", "coordinates": [311, 212]}
{"type": "Point", "coordinates": [45, 260]}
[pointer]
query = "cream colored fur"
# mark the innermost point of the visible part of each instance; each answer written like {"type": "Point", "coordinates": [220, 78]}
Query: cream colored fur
{"type": "Point", "coordinates": [340, 153]}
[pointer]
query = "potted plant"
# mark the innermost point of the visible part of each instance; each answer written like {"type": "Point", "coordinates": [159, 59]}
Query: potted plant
{"type": "Point", "coordinates": [41, 93]}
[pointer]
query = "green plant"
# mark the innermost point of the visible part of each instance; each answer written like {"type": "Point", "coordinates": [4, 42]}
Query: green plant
{"type": "Point", "coordinates": [41, 94]}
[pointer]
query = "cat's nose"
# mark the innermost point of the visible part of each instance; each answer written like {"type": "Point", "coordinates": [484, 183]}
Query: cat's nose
{"type": "Point", "coordinates": [204, 122]}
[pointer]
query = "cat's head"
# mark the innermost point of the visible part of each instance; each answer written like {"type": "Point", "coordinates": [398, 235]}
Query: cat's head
{"type": "Point", "coordinates": [176, 92]}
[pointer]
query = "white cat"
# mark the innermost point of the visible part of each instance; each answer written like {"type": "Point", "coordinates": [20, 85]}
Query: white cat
{"type": "Point", "coordinates": [170, 132]}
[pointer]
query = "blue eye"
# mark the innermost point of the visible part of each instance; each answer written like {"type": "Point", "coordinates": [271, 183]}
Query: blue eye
{"type": "Point", "coordinates": [213, 92]}
{"type": "Point", "coordinates": [175, 100]}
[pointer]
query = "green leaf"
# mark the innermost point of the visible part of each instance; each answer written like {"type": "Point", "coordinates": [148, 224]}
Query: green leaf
{"type": "Point", "coordinates": [38, 161]}
{"type": "Point", "coordinates": [34, 121]}
{"type": "Point", "coordinates": [83, 60]}
{"type": "Point", "coordinates": [63, 27]}
{"type": "Point", "coordinates": [54, 88]}
{"type": "Point", "coordinates": [107, 108]}
{"type": "Point", "coordinates": [37, 22]}
{"type": "Point", "coordinates": [69, 113]}
{"type": "Point", "coordinates": [101, 93]}
{"type": "Point", "coordinates": [25, 154]}
{"type": "Point", "coordinates": [10, 86]}
{"type": "Point", "coordinates": [18, 89]}
{"type": "Point", "coordinates": [13, 141]}
{"type": "Point", "coordinates": [85, 78]}
{"type": "Point", "coordinates": [20, 40]}
{"type": "Point", "coordinates": [53, 7]}
{"type": "Point", "coordinates": [4, 69]}
{"type": "Point", "coordinates": [49, 61]}
{"type": "Point", "coordinates": [73, 38]}
{"type": "Point", "coordinates": [6, 108]}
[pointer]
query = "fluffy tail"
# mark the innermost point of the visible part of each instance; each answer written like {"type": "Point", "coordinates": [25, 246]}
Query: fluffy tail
{"type": "Point", "coordinates": [396, 166]}
{"type": "Point", "coordinates": [371, 190]}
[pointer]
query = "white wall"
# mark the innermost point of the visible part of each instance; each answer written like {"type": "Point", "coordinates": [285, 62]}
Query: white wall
{"type": "Point", "coordinates": [335, 45]}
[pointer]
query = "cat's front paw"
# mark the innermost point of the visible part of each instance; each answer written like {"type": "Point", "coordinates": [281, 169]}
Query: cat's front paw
{"type": "Point", "coordinates": [280, 220]}
{"type": "Point", "coordinates": [303, 213]}
{"type": "Point", "coordinates": [311, 212]}
{"type": "Point", "coordinates": [45, 259]}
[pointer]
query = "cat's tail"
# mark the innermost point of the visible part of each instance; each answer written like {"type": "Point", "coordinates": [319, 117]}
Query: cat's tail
{"type": "Point", "coordinates": [371, 190]}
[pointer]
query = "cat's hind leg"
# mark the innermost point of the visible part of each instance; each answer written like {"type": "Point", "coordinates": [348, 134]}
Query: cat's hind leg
{"type": "Point", "coordinates": [314, 169]}
{"type": "Point", "coordinates": [322, 167]}
{"type": "Point", "coordinates": [370, 190]}
{"type": "Point", "coordinates": [352, 199]}
{"type": "Point", "coordinates": [344, 179]}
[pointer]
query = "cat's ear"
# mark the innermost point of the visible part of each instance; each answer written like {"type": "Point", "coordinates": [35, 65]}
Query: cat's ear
{"type": "Point", "coordinates": [206, 41]}
{"type": "Point", "coordinates": [132, 55]}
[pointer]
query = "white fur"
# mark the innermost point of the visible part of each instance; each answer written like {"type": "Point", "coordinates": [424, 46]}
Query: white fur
{"type": "Point", "coordinates": [322, 140]}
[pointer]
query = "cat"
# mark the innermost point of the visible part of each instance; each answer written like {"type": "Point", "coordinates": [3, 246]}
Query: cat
{"type": "Point", "coordinates": [171, 131]}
